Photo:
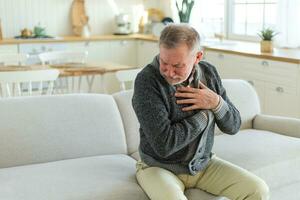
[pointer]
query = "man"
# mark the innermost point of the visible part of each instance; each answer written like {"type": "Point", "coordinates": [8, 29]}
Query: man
{"type": "Point", "coordinates": [178, 99]}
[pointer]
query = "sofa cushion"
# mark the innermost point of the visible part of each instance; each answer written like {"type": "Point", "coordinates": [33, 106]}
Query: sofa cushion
{"type": "Point", "coordinates": [109, 177]}
{"type": "Point", "coordinates": [273, 157]}
{"type": "Point", "coordinates": [51, 128]}
{"type": "Point", "coordinates": [130, 121]}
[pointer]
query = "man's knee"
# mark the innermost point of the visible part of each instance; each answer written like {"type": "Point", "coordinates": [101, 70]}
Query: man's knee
{"type": "Point", "coordinates": [258, 189]}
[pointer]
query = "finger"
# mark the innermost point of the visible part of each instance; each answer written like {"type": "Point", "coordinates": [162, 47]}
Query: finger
{"type": "Point", "coordinates": [184, 95]}
{"type": "Point", "coordinates": [189, 108]}
{"type": "Point", "coordinates": [202, 86]}
{"type": "Point", "coordinates": [187, 89]}
{"type": "Point", "coordinates": [186, 101]}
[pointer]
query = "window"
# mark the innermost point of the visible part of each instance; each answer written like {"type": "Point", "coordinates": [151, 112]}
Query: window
{"type": "Point", "coordinates": [236, 19]}
{"type": "Point", "coordinates": [247, 17]}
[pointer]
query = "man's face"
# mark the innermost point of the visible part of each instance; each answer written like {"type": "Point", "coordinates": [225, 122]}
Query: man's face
{"type": "Point", "coordinates": [176, 64]}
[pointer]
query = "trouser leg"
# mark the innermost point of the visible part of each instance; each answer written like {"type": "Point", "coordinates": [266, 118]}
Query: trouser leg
{"type": "Point", "coordinates": [160, 184]}
{"type": "Point", "coordinates": [225, 179]}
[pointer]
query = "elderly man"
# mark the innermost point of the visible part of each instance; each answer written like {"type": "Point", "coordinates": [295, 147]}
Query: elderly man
{"type": "Point", "coordinates": [178, 99]}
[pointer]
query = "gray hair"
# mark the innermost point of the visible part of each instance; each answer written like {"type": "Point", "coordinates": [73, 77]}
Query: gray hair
{"type": "Point", "coordinates": [176, 34]}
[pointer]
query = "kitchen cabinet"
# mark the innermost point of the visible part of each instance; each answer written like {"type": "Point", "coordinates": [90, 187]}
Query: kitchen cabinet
{"type": "Point", "coordinates": [9, 48]}
{"type": "Point", "coordinates": [274, 81]}
{"type": "Point", "coordinates": [146, 50]}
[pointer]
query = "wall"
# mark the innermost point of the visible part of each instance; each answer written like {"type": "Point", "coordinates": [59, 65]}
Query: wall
{"type": "Point", "coordinates": [55, 15]}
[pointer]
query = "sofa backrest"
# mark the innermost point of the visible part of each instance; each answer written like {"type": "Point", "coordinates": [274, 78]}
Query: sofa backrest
{"type": "Point", "coordinates": [245, 99]}
{"type": "Point", "coordinates": [51, 128]}
{"type": "Point", "coordinates": [240, 92]}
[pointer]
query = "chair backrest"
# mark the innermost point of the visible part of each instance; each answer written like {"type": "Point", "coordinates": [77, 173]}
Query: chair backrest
{"type": "Point", "coordinates": [13, 58]}
{"type": "Point", "coordinates": [36, 82]}
{"type": "Point", "coordinates": [54, 57]}
{"type": "Point", "coordinates": [124, 76]}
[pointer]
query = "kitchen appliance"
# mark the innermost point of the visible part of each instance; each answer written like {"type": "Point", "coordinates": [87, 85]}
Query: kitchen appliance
{"type": "Point", "coordinates": [122, 24]}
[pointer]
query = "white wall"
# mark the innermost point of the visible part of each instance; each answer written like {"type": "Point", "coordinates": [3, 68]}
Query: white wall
{"type": "Point", "coordinates": [55, 15]}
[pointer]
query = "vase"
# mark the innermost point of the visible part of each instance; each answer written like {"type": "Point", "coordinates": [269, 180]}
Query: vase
{"type": "Point", "coordinates": [266, 46]}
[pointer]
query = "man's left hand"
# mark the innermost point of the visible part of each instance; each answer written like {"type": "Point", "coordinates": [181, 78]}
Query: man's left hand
{"type": "Point", "coordinates": [197, 98]}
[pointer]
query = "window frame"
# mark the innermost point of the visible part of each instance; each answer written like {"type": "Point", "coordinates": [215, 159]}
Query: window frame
{"type": "Point", "coordinates": [229, 19]}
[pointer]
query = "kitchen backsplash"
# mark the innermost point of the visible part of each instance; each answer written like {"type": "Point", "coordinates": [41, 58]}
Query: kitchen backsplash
{"type": "Point", "coordinates": [54, 15]}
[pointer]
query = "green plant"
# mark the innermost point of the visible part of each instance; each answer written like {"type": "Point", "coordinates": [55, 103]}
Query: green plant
{"type": "Point", "coordinates": [267, 34]}
{"type": "Point", "coordinates": [185, 11]}
{"type": "Point", "coordinates": [39, 31]}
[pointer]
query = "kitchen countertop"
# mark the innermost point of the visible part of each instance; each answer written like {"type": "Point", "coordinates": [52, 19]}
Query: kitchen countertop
{"type": "Point", "coordinates": [250, 49]}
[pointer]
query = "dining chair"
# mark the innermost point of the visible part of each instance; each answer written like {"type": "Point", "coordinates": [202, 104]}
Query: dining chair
{"type": "Point", "coordinates": [13, 58]}
{"type": "Point", "coordinates": [27, 83]}
{"type": "Point", "coordinates": [125, 76]}
{"type": "Point", "coordinates": [63, 85]}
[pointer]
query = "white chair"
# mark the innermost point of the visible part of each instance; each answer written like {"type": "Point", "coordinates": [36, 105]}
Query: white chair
{"type": "Point", "coordinates": [57, 57]}
{"type": "Point", "coordinates": [60, 57]}
{"type": "Point", "coordinates": [27, 83]}
{"type": "Point", "coordinates": [13, 58]}
{"type": "Point", "coordinates": [124, 76]}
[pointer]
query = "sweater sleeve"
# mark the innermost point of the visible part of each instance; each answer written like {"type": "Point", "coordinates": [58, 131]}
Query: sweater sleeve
{"type": "Point", "coordinates": [164, 136]}
{"type": "Point", "coordinates": [227, 116]}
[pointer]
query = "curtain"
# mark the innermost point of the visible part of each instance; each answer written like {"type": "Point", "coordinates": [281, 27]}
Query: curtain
{"type": "Point", "coordinates": [288, 23]}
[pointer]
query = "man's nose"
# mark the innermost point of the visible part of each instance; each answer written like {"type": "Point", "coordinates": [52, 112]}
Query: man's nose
{"type": "Point", "coordinates": [170, 71]}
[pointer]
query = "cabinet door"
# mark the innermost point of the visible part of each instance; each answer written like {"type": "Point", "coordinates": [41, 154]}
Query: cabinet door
{"type": "Point", "coordinates": [9, 48]}
{"type": "Point", "coordinates": [224, 63]}
{"type": "Point", "coordinates": [146, 51]}
{"type": "Point", "coordinates": [281, 100]}
{"type": "Point", "coordinates": [124, 52]}
{"type": "Point", "coordinates": [99, 51]}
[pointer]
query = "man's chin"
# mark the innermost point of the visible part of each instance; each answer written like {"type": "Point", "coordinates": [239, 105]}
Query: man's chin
{"type": "Point", "coordinates": [173, 81]}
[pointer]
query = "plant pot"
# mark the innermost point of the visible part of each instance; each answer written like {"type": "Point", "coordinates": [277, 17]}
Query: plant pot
{"type": "Point", "coordinates": [266, 46]}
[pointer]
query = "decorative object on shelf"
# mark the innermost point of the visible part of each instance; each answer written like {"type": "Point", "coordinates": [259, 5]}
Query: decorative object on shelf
{"type": "Point", "coordinates": [25, 33]}
{"type": "Point", "coordinates": [1, 37]}
{"type": "Point", "coordinates": [185, 10]}
{"type": "Point", "coordinates": [123, 26]}
{"type": "Point", "coordinates": [38, 32]}
{"type": "Point", "coordinates": [79, 18]}
{"type": "Point", "coordinates": [266, 44]}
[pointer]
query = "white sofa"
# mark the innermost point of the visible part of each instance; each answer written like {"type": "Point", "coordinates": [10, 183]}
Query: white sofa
{"type": "Point", "coordinates": [82, 147]}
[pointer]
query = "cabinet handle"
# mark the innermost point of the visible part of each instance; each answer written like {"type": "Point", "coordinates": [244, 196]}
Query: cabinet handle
{"type": "Point", "coordinates": [265, 63]}
{"type": "Point", "coordinates": [280, 89]}
{"type": "Point", "coordinates": [123, 42]}
{"type": "Point", "coordinates": [43, 48]}
{"type": "Point", "coordinates": [86, 43]}
{"type": "Point", "coordinates": [251, 82]}
{"type": "Point", "coordinates": [221, 56]}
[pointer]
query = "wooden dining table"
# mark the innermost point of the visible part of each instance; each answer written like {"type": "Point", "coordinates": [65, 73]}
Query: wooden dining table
{"type": "Point", "coordinates": [74, 69]}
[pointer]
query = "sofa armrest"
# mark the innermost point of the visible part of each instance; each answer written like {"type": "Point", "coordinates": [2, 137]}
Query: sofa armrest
{"type": "Point", "coordinates": [282, 125]}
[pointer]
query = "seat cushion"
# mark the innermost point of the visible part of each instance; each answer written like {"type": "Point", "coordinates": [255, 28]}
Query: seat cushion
{"type": "Point", "coordinates": [273, 157]}
{"type": "Point", "coordinates": [110, 177]}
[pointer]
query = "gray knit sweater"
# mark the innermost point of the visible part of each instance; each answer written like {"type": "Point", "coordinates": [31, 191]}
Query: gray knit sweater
{"type": "Point", "coordinates": [171, 138]}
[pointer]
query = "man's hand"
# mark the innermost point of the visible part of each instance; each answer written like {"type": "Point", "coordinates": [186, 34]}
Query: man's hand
{"type": "Point", "coordinates": [198, 98]}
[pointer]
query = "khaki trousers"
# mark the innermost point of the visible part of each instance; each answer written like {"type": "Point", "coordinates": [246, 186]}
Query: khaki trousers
{"type": "Point", "coordinates": [220, 178]}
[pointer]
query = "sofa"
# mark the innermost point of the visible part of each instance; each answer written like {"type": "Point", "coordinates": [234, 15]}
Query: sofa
{"type": "Point", "coordinates": [84, 147]}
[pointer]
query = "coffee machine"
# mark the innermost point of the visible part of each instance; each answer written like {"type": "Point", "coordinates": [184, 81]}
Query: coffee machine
{"type": "Point", "coordinates": [122, 24]}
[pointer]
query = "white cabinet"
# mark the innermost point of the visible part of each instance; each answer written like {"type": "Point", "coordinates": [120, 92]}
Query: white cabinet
{"type": "Point", "coordinates": [275, 81]}
{"type": "Point", "coordinates": [118, 51]}
{"type": "Point", "coordinates": [124, 52]}
{"type": "Point", "coordinates": [146, 50]}
{"type": "Point", "coordinates": [9, 48]}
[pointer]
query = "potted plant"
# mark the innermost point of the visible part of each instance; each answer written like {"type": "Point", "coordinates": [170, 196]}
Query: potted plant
{"type": "Point", "coordinates": [266, 44]}
{"type": "Point", "coordinates": [185, 10]}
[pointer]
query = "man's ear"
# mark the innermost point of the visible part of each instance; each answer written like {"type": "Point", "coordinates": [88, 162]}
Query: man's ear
{"type": "Point", "coordinates": [199, 56]}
